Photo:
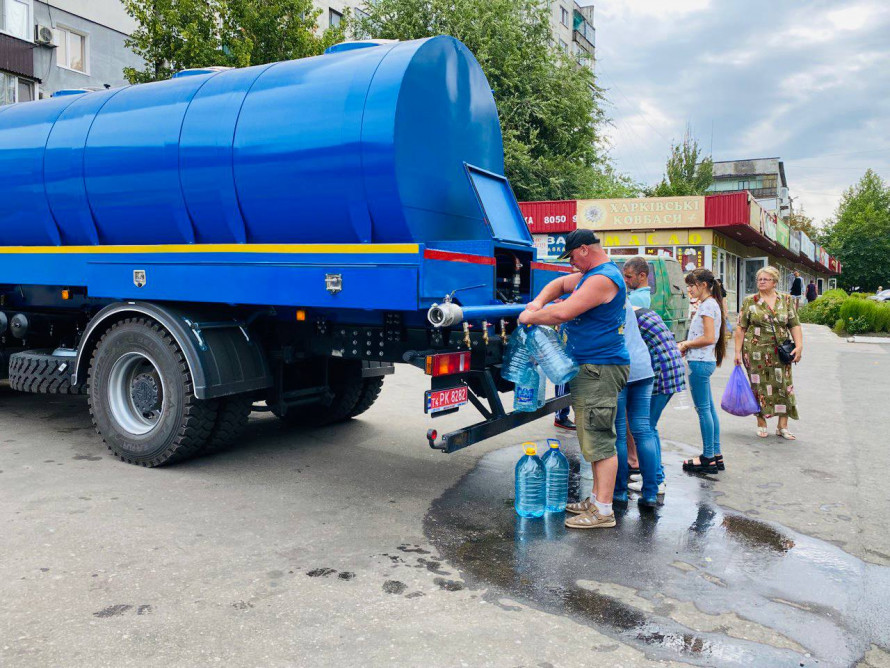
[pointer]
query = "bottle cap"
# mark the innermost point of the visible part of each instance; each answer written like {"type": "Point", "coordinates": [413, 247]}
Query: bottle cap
{"type": "Point", "coordinates": [530, 448]}
{"type": "Point", "coordinates": [553, 443]}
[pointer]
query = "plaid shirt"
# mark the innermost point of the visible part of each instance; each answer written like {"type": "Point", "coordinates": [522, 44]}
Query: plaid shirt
{"type": "Point", "coordinates": [667, 362]}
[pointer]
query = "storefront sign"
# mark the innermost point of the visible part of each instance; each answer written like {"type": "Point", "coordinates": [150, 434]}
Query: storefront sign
{"type": "Point", "coordinates": [660, 238]}
{"type": "Point", "coordinates": [549, 217]}
{"type": "Point", "coordinates": [641, 213]}
{"type": "Point", "coordinates": [783, 234]}
{"type": "Point", "coordinates": [795, 241]}
{"type": "Point", "coordinates": [691, 257]}
{"type": "Point", "coordinates": [807, 247]}
{"type": "Point", "coordinates": [550, 246]}
{"type": "Point", "coordinates": [822, 256]}
{"type": "Point", "coordinates": [833, 264]}
{"type": "Point", "coordinates": [660, 251]}
{"type": "Point", "coordinates": [769, 226]}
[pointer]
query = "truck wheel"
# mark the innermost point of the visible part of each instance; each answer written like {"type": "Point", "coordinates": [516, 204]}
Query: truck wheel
{"type": "Point", "coordinates": [40, 372]}
{"type": "Point", "coordinates": [346, 398]}
{"type": "Point", "coordinates": [141, 398]}
{"type": "Point", "coordinates": [231, 420]}
{"type": "Point", "coordinates": [370, 391]}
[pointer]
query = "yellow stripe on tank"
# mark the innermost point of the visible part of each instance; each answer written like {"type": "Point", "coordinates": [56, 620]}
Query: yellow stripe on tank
{"type": "Point", "coordinates": [296, 249]}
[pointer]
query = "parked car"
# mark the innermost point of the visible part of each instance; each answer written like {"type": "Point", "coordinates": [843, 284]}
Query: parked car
{"type": "Point", "coordinates": [882, 296]}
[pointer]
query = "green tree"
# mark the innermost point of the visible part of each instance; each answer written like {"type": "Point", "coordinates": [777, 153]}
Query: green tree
{"type": "Point", "coordinates": [684, 173]}
{"type": "Point", "coordinates": [178, 34]}
{"type": "Point", "coordinates": [801, 221]}
{"type": "Point", "coordinates": [859, 234]}
{"type": "Point", "coordinates": [550, 108]}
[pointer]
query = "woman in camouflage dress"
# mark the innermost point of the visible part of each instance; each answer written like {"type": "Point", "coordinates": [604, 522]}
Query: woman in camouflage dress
{"type": "Point", "coordinates": [755, 346]}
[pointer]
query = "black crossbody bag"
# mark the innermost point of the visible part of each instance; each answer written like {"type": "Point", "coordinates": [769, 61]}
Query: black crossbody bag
{"type": "Point", "coordinates": [784, 350]}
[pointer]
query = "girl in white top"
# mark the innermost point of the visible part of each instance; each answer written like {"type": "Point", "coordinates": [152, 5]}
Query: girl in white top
{"type": "Point", "coordinates": [704, 348]}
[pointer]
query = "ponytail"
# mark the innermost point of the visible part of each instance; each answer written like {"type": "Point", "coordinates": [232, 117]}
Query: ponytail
{"type": "Point", "coordinates": [715, 287]}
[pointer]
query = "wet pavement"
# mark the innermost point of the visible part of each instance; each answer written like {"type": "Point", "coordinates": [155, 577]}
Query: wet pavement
{"type": "Point", "coordinates": [758, 593]}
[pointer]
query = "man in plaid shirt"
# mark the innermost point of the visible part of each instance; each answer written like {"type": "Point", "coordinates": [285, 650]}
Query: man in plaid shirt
{"type": "Point", "coordinates": [670, 377]}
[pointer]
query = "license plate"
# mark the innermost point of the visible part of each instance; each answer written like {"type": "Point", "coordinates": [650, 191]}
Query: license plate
{"type": "Point", "coordinates": [443, 400]}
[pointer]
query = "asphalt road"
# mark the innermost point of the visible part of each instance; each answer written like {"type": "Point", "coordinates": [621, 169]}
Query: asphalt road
{"type": "Point", "coordinates": [358, 545]}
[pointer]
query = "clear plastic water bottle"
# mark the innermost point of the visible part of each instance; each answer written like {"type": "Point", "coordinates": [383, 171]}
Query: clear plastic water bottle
{"type": "Point", "coordinates": [545, 346]}
{"type": "Point", "coordinates": [530, 483]}
{"type": "Point", "coordinates": [542, 389]}
{"type": "Point", "coordinates": [516, 356]}
{"type": "Point", "coordinates": [680, 401]}
{"type": "Point", "coordinates": [525, 394]}
{"type": "Point", "coordinates": [556, 475]}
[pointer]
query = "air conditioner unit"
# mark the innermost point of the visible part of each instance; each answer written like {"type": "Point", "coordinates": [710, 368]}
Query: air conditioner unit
{"type": "Point", "coordinates": [44, 35]}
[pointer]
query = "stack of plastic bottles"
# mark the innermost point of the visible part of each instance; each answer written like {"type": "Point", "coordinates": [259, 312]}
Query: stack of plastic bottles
{"type": "Point", "coordinates": [542, 483]}
{"type": "Point", "coordinates": [533, 356]}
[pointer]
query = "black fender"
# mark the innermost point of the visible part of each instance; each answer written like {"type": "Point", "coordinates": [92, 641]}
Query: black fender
{"type": "Point", "coordinates": [221, 354]}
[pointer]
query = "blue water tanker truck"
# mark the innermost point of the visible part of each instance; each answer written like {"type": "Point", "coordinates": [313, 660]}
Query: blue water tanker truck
{"type": "Point", "coordinates": [270, 238]}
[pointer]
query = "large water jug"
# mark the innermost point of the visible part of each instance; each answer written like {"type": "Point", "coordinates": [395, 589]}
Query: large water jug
{"type": "Point", "coordinates": [556, 475]}
{"type": "Point", "coordinates": [530, 483]}
{"type": "Point", "coordinates": [516, 356]}
{"type": "Point", "coordinates": [549, 351]}
{"type": "Point", "coordinates": [525, 394]}
{"type": "Point", "coordinates": [542, 388]}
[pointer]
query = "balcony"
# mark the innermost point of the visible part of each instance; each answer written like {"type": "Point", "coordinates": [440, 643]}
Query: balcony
{"type": "Point", "coordinates": [583, 33]}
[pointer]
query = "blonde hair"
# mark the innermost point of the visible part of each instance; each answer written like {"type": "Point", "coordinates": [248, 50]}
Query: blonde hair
{"type": "Point", "coordinates": [771, 271]}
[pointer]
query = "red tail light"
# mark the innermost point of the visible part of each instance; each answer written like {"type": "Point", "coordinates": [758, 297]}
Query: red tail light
{"type": "Point", "coordinates": [447, 364]}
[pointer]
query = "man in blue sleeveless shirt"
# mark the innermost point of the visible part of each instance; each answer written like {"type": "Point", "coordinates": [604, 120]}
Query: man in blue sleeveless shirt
{"type": "Point", "coordinates": [593, 316]}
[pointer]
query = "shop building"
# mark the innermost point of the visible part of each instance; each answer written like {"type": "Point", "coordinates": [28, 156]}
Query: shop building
{"type": "Point", "coordinates": [732, 235]}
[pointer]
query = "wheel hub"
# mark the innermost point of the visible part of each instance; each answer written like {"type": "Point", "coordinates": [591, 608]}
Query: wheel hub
{"type": "Point", "coordinates": [136, 393]}
{"type": "Point", "coordinates": [145, 393]}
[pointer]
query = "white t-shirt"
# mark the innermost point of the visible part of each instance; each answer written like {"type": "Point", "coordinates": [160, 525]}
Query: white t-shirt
{"type": "Point", "coordinates": [709, 308]}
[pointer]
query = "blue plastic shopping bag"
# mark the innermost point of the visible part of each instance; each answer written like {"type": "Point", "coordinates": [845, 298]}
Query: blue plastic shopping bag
{"type": "Point", "coordinates": [738, 398]}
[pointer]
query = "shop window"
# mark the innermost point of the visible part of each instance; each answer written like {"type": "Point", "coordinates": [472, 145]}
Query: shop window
{"type": "Point", "coordinates": [72, 50]}
{"type": "Point", "coordinates": [15, 18]}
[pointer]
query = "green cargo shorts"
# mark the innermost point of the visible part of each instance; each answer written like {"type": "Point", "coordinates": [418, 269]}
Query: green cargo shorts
{"type": "Point", "coordinates": [595, 399]}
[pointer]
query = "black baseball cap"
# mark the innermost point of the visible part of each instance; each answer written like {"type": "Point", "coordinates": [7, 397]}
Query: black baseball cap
{"type": "Point", "coordinates": [578, 238]}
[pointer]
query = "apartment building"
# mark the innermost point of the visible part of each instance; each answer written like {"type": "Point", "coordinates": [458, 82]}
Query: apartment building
{"type": "Point", "coordinates": [62, 44]}
{"type": "Point", "coordinates": [764, 178]}
{"type": "Point", "coordinates": [570, 23]}
{"type": "Point", "coordinates": [573, 31]}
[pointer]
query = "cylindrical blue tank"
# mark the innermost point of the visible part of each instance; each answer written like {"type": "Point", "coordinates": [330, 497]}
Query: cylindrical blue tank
{"type": "Point", "coordinates": [361, 145]}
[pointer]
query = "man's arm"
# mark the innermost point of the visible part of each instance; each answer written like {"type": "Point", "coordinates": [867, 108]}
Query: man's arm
{"type": "Point", "coordinates": [555, 289]}
{"type": "Point", "coordinates": [595, 291]}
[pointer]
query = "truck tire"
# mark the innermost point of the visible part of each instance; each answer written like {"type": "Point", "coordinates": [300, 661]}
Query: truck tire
{"type": "Point", "coordinates": [346, 398]}
{"type": "Point", "coordinates": [141, 398]}
{"type": "Point", "coordinates": [38, 371]}
{"type": "Point", "coordinates": [371, 388]}
{"type": "Point", "coordinates": [231, 420]}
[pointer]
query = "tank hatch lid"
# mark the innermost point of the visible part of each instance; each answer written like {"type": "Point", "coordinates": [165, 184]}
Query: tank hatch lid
{"type": "Point", "coordinates": [193, 71]}
{"type": "Point", "coordinates": [351, 45]}
{"type": "Point", "coordinates": [72, 91]}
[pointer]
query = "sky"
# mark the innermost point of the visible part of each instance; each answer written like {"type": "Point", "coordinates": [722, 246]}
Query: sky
{"type": "Point", "coordinates": [808, 82]}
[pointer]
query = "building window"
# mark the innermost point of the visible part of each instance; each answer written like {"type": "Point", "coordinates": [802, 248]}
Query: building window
{"type": "Point", "coordinates": [15, 18]}
{"type": "Point", "coordinates": [335, 17]}
{"type": "Point", "coordinates": [563, 46]}
{"type": "Point", "coordinates": [72, 50]}
{"type": "Point", "coordinates": [564, 16]}
{"type": "Point", "coordinates": [14, 89]}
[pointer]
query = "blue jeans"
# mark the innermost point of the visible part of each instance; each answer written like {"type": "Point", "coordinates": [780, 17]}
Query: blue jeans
{"type": "Point", "coordinates": [700, 387]}
{"type": "Point", "coordinates": [659, 403]}
{"type": "Point", "coordinates": [563, 413]}
{"type": "Point", "coordinates": [635, 401]}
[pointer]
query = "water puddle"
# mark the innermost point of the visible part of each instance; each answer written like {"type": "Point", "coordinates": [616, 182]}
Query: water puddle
{"type": "Point", "coordinates": [763, 594]}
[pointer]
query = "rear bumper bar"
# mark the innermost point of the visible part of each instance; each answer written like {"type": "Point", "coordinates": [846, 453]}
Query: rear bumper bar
{"type": "Point", "coordinates": [462, 438]}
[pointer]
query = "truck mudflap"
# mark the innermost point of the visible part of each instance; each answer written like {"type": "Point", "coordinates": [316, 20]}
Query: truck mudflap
{"type": "Point", "coordinates": [497, 420]}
